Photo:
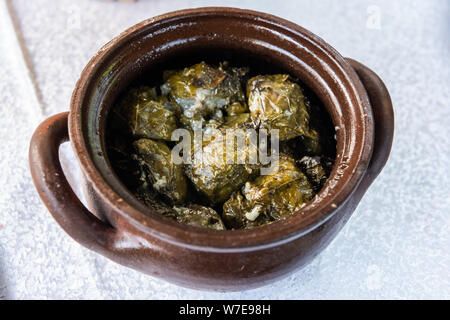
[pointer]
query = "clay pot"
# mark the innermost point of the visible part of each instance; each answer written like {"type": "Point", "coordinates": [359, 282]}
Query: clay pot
{"type": "Point", "coordinates": [119, 227]}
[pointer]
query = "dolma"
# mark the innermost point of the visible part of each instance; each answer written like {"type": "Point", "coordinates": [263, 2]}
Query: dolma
{"type": "Point", "coordinates": [214, 177]}
{"type": "Point", "coordinates": [165, 177]}
{"type": "Point", "coordinates": [202, 91]}
{"type": "Point", "coordinates": [269, 197]}
{"type": "Point", "coordinates": [275, 102]}
{"type": "Point", "coordinates": [146, 115]}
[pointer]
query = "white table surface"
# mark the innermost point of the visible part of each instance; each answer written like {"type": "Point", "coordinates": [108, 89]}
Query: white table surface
{"type": "Point", "coordinates": [395, 246]}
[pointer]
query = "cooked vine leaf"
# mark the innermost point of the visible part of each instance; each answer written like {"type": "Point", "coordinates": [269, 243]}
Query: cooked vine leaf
{"type": "Point", "coordinates": [269, 197]}
{"type": "Point", "coordinates": [146, 115]}
{"type": "Point", "coordinates": [166, 177]}
{"type": "Point", "coordinates": [213, 176]}
{"type": "Point", "coordinates": [275, 102]}
{"type": "Point", "coordinates": [202, 91]}
{"type": "Point", "coordinates": [199, 216]}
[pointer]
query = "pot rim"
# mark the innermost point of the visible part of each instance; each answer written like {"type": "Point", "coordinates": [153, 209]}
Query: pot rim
{"type": "Point", "coordinates": [326, 203]}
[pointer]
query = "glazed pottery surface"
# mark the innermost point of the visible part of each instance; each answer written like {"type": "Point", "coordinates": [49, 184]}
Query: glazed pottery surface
{"type": "Point", "coordinates": [123, 229]}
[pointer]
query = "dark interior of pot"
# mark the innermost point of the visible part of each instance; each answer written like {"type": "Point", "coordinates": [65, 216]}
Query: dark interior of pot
{"type": "Point", "coordinates": [266, 47]}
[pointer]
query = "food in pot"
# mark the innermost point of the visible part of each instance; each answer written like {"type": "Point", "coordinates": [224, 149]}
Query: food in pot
{"type": "Point", "coordinates": [276, 102]}
{"type": "Point", "coordinates": [213, 177]}
{"type": "Point", "coordinates": [202, 91]}
{"type": "Point", "coordinates": [269, 198]}
{"type": "Point", "coordinates": [166, 177]}
{"type": "Point", "coordinates": [219, 102]}
{"type": "Point", "coordinates": [146, 114]}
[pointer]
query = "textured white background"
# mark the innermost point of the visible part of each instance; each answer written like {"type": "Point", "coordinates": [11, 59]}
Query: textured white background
{"type": "Point", "coordinates": [396, 245]}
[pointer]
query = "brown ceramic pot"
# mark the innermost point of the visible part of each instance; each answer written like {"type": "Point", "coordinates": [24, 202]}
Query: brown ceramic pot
{"type": "Point", "coordinates": [119, 227]}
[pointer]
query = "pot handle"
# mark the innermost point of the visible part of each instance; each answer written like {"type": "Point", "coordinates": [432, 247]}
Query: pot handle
{"type": "Point", "coordinates": [383, 115]}
{"type": "Point", "coordinates": [55, 191]}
